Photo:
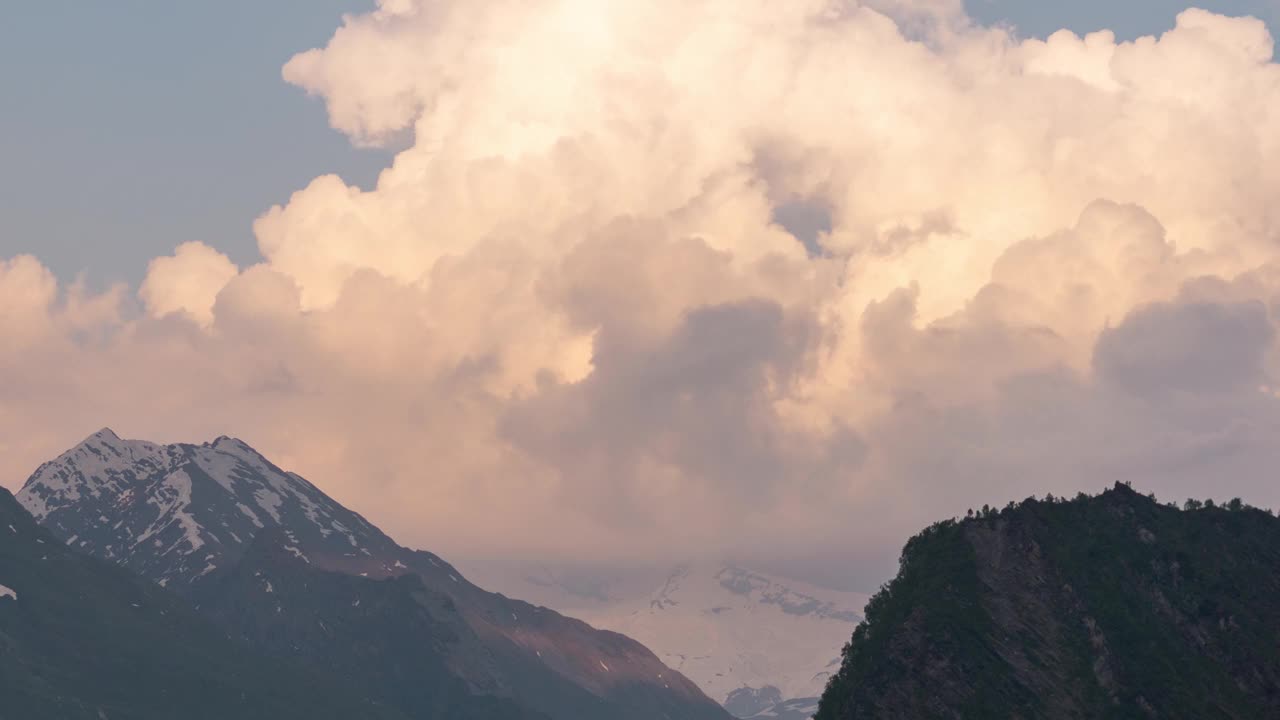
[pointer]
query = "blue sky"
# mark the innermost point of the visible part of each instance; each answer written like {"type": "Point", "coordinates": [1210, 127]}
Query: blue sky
{"type": "Point", "coordinates": [1129, 18]}
{"type": "Point", "coordinates": [130, 127]}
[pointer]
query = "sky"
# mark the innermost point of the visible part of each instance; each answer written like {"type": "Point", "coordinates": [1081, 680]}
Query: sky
{"type": "Point", "coordinates": [620, 283]}
{"type": "Point", "coordinates": [132, 127]}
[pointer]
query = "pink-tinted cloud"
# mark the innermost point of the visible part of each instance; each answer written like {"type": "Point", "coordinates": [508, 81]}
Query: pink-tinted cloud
{"type": "Point", "coordinates": [565, 322]}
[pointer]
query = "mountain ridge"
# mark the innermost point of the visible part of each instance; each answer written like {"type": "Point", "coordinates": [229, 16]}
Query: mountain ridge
{"type": "Point", "coordinates": [185, 515]}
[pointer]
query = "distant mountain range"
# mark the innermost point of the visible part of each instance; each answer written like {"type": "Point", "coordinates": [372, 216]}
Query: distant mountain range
{"type": "Point", "coordinates": [1112, 606]}
{"type": "Point", "coordinates": [308, 584]}
{"type": "Point", "coordinates": [761, 645]}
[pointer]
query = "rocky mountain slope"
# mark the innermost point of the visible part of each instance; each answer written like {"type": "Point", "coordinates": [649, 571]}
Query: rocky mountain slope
{"type": "Point", "coordinates": [756, 643]}
{"type": "Point", "coordinates": [394, 639]}
{"type": "Point", "coordinates": [187, 517]}
{"type": "Point", "coordinates": [81, 638]}
{"type": "Point", "coordinates": [1102, 607]}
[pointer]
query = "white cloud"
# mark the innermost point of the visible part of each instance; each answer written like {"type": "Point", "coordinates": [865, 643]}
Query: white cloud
{"type": "Point", "coordinates": [565, 321]}
{"type": "Point", "coordinates": [27, 290]}
{"type": "Point", "coordinates": [187, 281]}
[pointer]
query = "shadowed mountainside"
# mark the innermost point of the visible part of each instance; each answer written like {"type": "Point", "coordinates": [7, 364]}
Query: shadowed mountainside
{"type": "Point", "coordinates": [1112, 606]}
{"type": "Point", "coordinates": [81, 638]}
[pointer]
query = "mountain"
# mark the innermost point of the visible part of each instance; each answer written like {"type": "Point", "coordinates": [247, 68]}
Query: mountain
{"type": "Point", "coordinates": [176, 513]}
{"type": "Point", "coordinates": [395, 638]}
{"type": "Point", "coordinates": [81, 638]}
{"type": "Point", "coordinates": [756, 643]}
{"type": "Point", "coordinates": [273, 559]}
{"type": "Point", "coordinates": [767, 703]}
{"type": "Point", "coordinates": [1111, 606]}
{"type": "Point", "coordinates": [794, 709]}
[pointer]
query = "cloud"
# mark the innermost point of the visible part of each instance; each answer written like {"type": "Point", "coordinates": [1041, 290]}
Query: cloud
{"type": "Point", "coordinates": [187, 281]}
{"type": "Point", "coordinates": [570, 320]}
{"type": "Point", "coordinates": [1192, 347]}
{"type": "Point", "coordinates": [669, 429]}
{"type": "Point", "coordinates": [27, 290]}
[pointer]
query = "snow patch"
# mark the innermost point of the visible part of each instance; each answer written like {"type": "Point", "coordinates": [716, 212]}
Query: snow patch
{"type": "Point", "coordinates": [221, 466]}
{"type": "Point", "coordinates": [269, 501]}
{"type": "Point", "coordinates": [173, 498]}
{"type": "Point", "coordinates": [249, 514]}
{"type": "Point", "coordinates": [351, 538]}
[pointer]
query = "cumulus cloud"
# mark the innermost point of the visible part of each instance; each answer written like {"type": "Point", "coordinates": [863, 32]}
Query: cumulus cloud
{"type": "Point", "coordinates": [27, 290]}
{"type": "Point", "coordinates": [187, 281]}
{"type": "Point", "coordinates": [653, 280]}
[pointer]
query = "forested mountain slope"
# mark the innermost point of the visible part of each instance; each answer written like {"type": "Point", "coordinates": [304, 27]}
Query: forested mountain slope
{"type": "Point", "coordinates": [1112, 606]}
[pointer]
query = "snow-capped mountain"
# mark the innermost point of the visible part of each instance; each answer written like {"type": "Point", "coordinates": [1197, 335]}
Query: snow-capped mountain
{"type": "Point", "coordinates": [756, 643]}
{"type": "Point", "coordinates": [264, 553]}
{"type": "Point", "coordinates": [175, 513]}
{"type": "Point", "coordinates": [794, 709]}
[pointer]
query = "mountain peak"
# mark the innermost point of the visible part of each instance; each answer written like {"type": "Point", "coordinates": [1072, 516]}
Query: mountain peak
{"type": "Point", "coordinates": [224, 442]}
{"type": "Point", "coordinates": [199, 504]}
{"type": "Point", "coordinates": [239, 448]}
{"type": "Point", "coordinates": [101, 464]}
{"type": "Point", "coordinates": [105, 444]}
{"type": "Point", "coordinates": [106, 434]}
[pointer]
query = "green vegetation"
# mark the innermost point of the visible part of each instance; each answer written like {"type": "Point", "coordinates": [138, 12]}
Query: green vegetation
{"type": "Point", "coordinates": [1112, 606]}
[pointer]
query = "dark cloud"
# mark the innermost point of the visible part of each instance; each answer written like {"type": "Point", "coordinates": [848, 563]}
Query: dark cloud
{"type": "Point", "coordinates": [806, 221]}
{"type": "Point", "coordinates": [1196, 347]}
{"type": "Point", "coordinates": [699, 403]}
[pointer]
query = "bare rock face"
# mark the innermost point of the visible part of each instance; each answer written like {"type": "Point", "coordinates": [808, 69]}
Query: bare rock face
{"type": "Point", "coordinates": [1107, 606]}
{"type": "Point", "coordinates": [195, 518]}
